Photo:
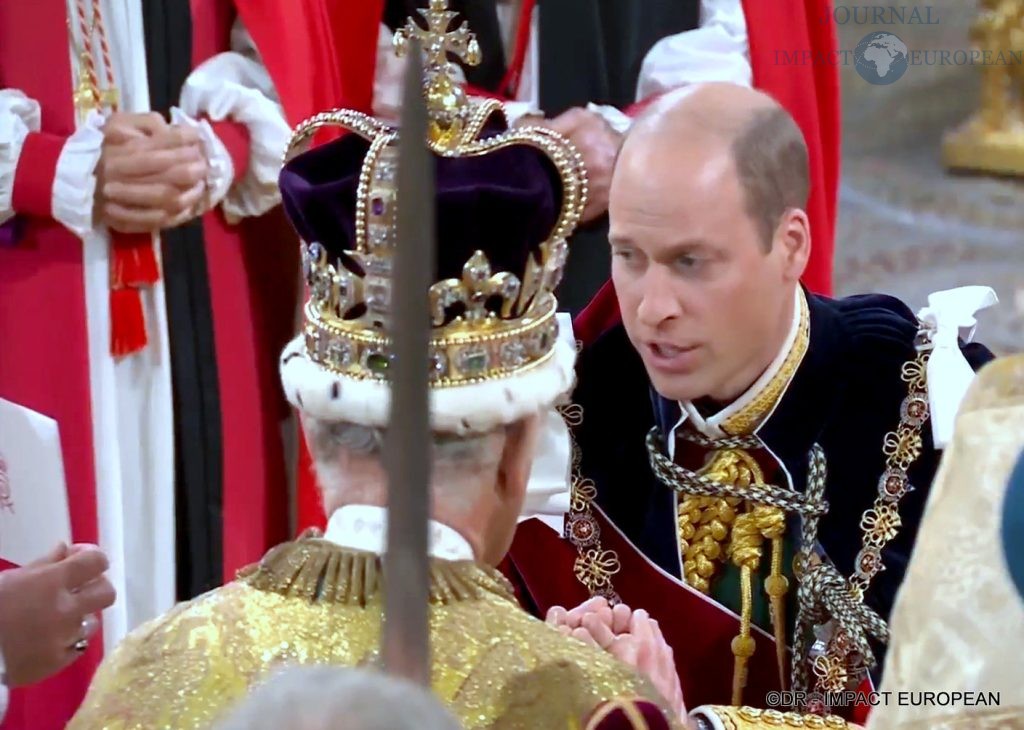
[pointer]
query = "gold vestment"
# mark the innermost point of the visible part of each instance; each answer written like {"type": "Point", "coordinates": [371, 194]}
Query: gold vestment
{"type": "Point", "coordinates": [314, 602]}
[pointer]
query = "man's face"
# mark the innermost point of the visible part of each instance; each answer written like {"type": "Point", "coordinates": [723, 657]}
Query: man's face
{"type": "Point", "coordinates": [703, 300]}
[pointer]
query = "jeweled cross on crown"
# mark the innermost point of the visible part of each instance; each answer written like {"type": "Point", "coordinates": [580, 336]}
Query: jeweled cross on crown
{"type": "Point", "coordinates": [437, 41]}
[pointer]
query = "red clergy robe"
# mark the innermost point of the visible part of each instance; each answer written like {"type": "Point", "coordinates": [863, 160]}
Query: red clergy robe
{"type": "Point", "coordinates": [44, 357]}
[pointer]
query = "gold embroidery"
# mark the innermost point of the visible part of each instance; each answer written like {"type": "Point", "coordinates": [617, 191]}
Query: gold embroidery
{"type": "Point", "coordinates": [753, 414]}
{"type": "Point", "coordinates": [706, 521]}
{"type": "Point", "coordinates": [749, 718]}
{"type": "Point", "coordinates": [312, 602]}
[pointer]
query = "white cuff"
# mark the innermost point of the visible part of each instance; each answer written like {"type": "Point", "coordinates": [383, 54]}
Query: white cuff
{"type": "Point", "coordinates": [708, 715]}
{"type": "Point", "coordinates": [221, 170]}
{"type": "Point", "coordinates": [949, 374]}
{"type": "Point", "coordinates": [615, 117]}
{"type": "Point", "coordinates": [19, 115]}
{"type": "Point", "coordinates": [547, 491]}
{"type": "Point", "coordinates": [74, 185]}
{"type": "Point", "coordinates": [716, 51]}
{"type": "Point", "coordinates": [516, 110]}
{"type": "Point", "coordinates": [230, 86]}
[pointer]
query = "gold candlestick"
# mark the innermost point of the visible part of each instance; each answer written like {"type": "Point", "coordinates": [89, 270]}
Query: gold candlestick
{"type": "Point", "coordinates": [992, 139]}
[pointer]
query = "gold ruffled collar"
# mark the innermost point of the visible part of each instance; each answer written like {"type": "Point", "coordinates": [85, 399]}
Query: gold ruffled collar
{"type": "Point", "coordinates": [321, 571]}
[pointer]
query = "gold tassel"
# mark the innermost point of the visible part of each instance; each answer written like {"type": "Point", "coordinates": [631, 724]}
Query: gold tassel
{"type": "Point", "coordinates": [776, 586]}
{"type": "Point", "coordinates": [745, 552]}
{"type": "Point", "coordinates": [743, 644]}
{"type": "Point", "coordinates": [749, 532]}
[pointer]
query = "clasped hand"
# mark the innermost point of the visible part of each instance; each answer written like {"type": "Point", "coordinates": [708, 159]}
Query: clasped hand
{"type": "Point", "coordinates": [150, 176]}
{"type": "Point", "coordinates": [632, 637]}
{"type": "Point", "coordinates": [597, 142]}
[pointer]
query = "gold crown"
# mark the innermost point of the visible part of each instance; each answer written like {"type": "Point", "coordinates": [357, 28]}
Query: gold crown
{"type": "Point", "coordinates": [505, 324]}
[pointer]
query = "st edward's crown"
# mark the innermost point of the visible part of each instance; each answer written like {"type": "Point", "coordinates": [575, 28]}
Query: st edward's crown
{"type": "Point", "coordinates": [507, 200]}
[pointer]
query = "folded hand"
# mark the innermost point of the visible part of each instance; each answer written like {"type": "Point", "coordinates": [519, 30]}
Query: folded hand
{"type": "Point", "coordinates": [632, 637]}
{"type": "Point", "coordinates": [150, 176]}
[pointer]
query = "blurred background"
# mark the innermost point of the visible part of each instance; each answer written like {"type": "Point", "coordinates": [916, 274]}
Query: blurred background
{"type": "Point", "coordinates": [907, 224]}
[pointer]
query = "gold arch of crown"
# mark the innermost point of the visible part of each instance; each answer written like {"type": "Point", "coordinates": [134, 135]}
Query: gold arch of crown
{"type": "Point", "coordinates": [480, 344]}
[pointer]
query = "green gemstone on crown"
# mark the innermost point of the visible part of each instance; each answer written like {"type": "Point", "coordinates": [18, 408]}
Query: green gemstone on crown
{"type": "Point", "coordinates": [473, 362]}
{"type": "Point", "coordinates": [378, 362]}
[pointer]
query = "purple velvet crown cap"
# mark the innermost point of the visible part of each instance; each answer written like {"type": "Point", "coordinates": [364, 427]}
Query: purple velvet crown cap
{"type": "Point", "coordinates": [504, 203]}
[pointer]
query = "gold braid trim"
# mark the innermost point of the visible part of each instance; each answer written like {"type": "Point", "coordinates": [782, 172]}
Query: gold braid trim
{"type": "Point", "coordinates": [321, 571]}
{"type": "Point", "coordinates": [705, 523]}
{"type": "Point", "coordinates": [754, 413]}
{"type": "Point", "coordinates": [776, 586]}
{"type": "Point", "coordinates": [748, 718]}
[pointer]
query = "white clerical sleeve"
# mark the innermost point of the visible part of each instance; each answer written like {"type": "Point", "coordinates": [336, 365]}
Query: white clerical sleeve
{"type": "Point", "coordinates": [19, 115]}
{"type": "Point", "coordinates": [235, 85]}
{"type": "Point", "coordinates": [74, 181]}
{"type": "Point", "coordinates": [717, 50]}
{"type": "Point", "coordinates": [74, 184]}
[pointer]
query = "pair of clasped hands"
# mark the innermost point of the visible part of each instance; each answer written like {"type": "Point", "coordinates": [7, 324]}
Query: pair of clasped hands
{"type": "Point", "coordinates": [632, 637]}
{"type": "Point", "coordinates": [151, 174]}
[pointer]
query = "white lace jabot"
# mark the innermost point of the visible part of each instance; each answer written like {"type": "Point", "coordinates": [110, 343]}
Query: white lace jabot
{"type": "Point", "coordinates": [364, 527]}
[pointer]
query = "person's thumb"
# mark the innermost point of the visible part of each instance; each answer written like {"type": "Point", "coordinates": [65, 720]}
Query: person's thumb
{"type": "Point", "coordinates": [58, 553]}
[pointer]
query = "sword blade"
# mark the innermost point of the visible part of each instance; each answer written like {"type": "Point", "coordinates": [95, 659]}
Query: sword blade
{"type": "Point", "coordinates": [405, 642]}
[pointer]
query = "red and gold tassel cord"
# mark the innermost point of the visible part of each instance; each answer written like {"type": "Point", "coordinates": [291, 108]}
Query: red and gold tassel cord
{"type": "Point", "coordinates": [88, 96]}
{"type": "Point", "coordinates": [133, 267]}
{"type": "Point", "coordinates": [133, 263]}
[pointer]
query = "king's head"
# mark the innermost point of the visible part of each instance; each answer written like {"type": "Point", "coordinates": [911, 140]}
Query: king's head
{"type": "Point", "coordinates": [506, 202]}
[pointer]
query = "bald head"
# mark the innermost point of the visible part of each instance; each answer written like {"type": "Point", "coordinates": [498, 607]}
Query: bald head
{"type": "Point", "coordinates": [767, 148]}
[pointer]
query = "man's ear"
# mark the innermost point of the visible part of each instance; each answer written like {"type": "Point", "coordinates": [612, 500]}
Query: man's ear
{"type": "Point", "coordinates": [517, 456]}
{"type": "Point", "coordinates": [793, 240]}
